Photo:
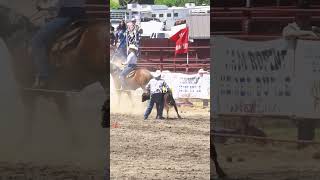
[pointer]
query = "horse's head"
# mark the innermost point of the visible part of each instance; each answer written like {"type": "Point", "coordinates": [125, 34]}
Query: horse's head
{"type": "Point", "coordinates": [12, 22]}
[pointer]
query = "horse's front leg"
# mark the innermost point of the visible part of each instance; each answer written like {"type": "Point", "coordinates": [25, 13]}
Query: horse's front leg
{"type": "Point", "coordinates": [130, 98]}
{"type": "Point", "coordinates": [64, 109]}
{"type": "Point", "coordinates": [119, 97]}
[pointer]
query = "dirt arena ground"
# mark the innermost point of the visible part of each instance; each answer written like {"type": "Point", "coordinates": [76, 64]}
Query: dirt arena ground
{"type": "Point", "coordinates": [159, 149]}
{"type": "Point", "coordinates": [277, 161]}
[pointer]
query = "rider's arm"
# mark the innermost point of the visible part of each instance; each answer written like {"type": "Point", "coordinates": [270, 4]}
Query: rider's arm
{"type": "Point", "coordinates": [148, 86]}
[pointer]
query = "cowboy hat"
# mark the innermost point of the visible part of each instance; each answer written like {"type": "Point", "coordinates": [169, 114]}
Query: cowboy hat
{"type": "Point", "coordinates": [202, 71]}
{"type": "Point", "coordinates": [134, 47]}
{"type": "Point", "coordinates": [157, 74]}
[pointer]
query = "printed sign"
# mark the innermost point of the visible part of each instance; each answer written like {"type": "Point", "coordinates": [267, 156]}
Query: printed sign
{"type": "Point", "coordinates": [307, 79]}
{"type": "Point", "coordinates": [252, 77]}
{"type": "Point", "coordinates": [188, 86]}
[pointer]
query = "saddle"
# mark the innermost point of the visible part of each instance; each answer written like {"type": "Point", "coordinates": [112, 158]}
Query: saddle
{"type": "Point", "coordinates": [67, 39]}
{"type": "Point", "coordinates": [131, 74]}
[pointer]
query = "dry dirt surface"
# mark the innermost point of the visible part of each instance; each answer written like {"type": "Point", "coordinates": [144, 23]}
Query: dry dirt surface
{"type": "Point", "coordinates": [160, 149]}
{"type": "Point", "coordinates": [263, 162]}
{"type": "Point", "coordinates": [26, 171]}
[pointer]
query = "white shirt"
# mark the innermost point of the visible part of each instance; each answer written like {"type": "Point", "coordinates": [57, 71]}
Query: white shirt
{"type": "Point", "coordinates": [131, 59]}
{"type": "Point", "coordinates": [155, 85]}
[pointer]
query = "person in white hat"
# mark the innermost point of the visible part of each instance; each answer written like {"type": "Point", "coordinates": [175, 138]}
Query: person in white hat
{"type": "Point", "coordinates": [156, 88]}
{"type": "Point", "coordinates": [201, 72]}
{"type": "Point", "coordinates": [130, 64]}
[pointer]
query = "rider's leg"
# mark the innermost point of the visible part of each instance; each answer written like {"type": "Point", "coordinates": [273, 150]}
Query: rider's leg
{"type": "Point", "coordinates": [159, 104]}
{"type": "Point", "coordinates": [41, 43]}
{"type": "Point", "coordinates": [149, 108]}
{"type": "Point", "coordinates": [123, 75]}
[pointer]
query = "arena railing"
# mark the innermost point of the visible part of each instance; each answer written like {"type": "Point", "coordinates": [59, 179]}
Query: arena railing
{"type": "Point", "coordinates": [164, 59]}
{"type": "Point", "coordinates": [98, 11]}
{"type": "Point", "coordinates": [262, 3]}
{"type": "Point", "coordinates": [244, 19]}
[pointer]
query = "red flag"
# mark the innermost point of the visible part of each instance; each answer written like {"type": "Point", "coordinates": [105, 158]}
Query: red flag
{"type": "Point", "coordinates": [182, 41]}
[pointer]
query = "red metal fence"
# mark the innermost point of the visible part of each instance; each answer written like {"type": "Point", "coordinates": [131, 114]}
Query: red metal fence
{"type": "Point", "coordinates": [269, 20]}
{"type": "Point", "coordinates": [158, 54]}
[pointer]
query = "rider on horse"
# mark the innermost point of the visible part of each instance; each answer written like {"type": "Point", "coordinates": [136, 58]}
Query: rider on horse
{"type": "Point", "coordinates": [69, 11]}
{"type": "Point", "coordinates": [130, 64]}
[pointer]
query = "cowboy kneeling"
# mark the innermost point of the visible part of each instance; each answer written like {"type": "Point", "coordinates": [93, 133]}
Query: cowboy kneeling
{"type": "Point", "coordinates": [130, 64]}
{"type": "Point", "coordinates": [155, 89]}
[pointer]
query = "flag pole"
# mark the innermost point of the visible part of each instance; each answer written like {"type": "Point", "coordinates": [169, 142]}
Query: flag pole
{"type": "Point", "coordinates": [188, 44]}
{"type": "Point", "coordinates": [187, 57]}
{"type": "Point", "coordinates": [188, 49]}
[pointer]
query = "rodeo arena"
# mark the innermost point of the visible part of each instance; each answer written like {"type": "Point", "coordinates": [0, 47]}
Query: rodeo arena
{"type": "Point", "coordinates": [265, 89]}
{"type": "Point", "coordinates": [175, 43]}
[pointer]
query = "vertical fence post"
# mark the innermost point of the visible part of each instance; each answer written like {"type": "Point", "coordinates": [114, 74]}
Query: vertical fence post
{"type": "Point", "coordinates": [246, 22]}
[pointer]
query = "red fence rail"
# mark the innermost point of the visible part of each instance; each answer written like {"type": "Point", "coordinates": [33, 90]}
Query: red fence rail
{"type": "Point", "coordinates": [267, 20]}
{"type": "Point", "coordinates": [162, 58]}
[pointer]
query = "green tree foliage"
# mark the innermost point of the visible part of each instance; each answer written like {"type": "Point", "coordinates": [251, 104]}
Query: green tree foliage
{"type": "Point", "coordinates": [181, 2]}
{"type": "Point", "coordinates": [114, 4]}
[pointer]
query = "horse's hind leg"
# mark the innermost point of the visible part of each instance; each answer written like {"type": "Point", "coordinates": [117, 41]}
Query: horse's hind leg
{"type": "Point", "coordinates": [63, 106]}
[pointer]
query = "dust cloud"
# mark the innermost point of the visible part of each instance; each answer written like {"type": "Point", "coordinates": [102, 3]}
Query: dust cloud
{"type": "Point", "coordinates": [51, 140]}
{"type": "Point", "coordinates": [121, 103]}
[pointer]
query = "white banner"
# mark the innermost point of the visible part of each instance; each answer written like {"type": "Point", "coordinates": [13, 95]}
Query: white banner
{"type": "Point", "coordinates": [188, 86]}
{"type": "Point", "coordinates": [252, 77]}
{"type": "Point", "coordinates": [307, 89]}
{"type": "Point", "coordinates": [182, 85]}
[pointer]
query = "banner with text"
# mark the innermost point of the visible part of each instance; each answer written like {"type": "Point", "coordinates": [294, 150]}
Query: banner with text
{"type": "Point", "coordinates": [252, 77]}
{"type": "Point", "coordinates": [307, 71]}
{"type": "Point", "coordinates": [188, 86]}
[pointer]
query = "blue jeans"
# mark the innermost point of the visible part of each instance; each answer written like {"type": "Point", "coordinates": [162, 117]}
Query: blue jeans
{"type": "Point", "coordinates": [125, 72]}
{"type": "Point", "coordinates": [158, 99]}
{"type": "Point", "coordinates": [122, 54]}
{"type": "Point", "coordinates": [41, 43]}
